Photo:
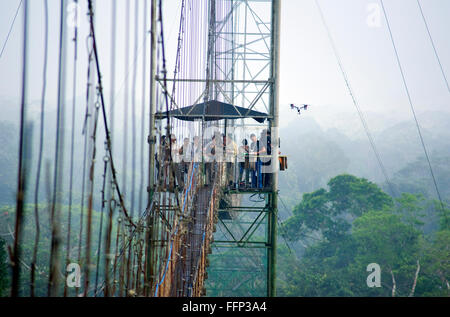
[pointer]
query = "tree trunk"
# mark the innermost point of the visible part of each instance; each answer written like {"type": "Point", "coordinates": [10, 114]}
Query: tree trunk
{"type": "Point", "coordinates": [394, 284]}
{"type": "Point", "coordinates": [411, 294]}
{"type": "Point", "coordinates": [443, 279]}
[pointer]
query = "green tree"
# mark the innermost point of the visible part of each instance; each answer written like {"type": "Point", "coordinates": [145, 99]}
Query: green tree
{"type": "Point", "coordinates": [330, 212]}
{"type": "Point", "coordinates": [384, 239]}
{"type": "Point", "coordinates": [3, 268]}
{"type": "Point", "coordinates": [437, 258]}
{"type": "Point", "coordinates": [354, 223]}
{"type": "Point", "coordinates": [7, 220]}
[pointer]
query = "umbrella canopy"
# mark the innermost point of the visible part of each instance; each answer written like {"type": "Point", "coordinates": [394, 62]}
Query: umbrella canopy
{"type": "Point", "coordinates": [213, 110]}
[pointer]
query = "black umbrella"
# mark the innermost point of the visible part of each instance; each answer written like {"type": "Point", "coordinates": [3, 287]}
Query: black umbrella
{"type": "Point", "coordinates": [213, 110]}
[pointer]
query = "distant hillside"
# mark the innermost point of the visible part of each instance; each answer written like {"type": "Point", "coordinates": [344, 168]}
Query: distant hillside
{"type": "Point", "coordinates": [315, 155]}
{"type": "Point", "coordinates": [8, 161]}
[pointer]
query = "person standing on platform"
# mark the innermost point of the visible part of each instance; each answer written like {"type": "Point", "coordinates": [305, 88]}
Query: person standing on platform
{"type": "Point", "coordinates": [209, 157]}
{"type": "Point", "coordinates": [266, 161]}
{"type": "Point", "coordinates": [196, 150]}
{"type": "Point", "coordinates": [231, 151]}
{"type": "Point", "coordinates": [243, 158]}
{"type": "Point", "coordinates": [255, 168]}
{"type": "Point", "coordinates": [176, 159]}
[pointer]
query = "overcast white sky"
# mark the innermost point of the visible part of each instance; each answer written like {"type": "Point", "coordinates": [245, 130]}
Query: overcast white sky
{"type": "Point", "coordinates": [309, 71]}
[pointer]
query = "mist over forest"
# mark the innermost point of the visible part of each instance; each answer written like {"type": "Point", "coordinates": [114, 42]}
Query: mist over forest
{"type": "Point", "coordinates": [332, 171]}
{"type": "Point", "coordinates": [319, 153]}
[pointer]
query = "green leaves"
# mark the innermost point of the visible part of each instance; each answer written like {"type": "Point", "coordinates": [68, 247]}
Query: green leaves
{"type": "Point", "coordinates": [412, 208]}
{"type": "Point", "coordinates": [353, 195]}
{"type": "Point", "coordinates": [329, 213]}
{"type": "Point", "coordinates": [384, 239]}
{"type": "Point", "coordinates": [3, 268]}
{"type": "Point", "coordinates": [355, 223]}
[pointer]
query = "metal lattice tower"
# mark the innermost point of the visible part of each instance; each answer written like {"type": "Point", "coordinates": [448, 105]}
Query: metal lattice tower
{"type": "Point", "coordinates": [243, 258]}
{"type": "Point", "coordinates": [234, 60]}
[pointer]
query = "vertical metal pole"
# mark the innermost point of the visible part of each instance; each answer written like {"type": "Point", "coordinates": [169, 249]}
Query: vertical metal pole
{"type": "Point", "coordinates": [210, 72]}
{"type": "Point", "coordinates": [274, 103]}
{"type": "Point", "coordinates": [152, 127]}
{"type": "Point", "coordinates": [152, 142]}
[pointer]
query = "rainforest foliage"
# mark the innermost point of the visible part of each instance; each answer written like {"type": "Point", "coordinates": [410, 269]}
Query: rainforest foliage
{"type": "Point", "coordinates": [353, 223]}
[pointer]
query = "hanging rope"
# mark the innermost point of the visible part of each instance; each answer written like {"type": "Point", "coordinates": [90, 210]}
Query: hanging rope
{"type": "Point", "coordinates": [21, 179]}
{"type": "Point", "coordinates": [105, 121]}
{"type": "Point", "coordinates": [72, 141]}
{"type": "Point", "coordinates": [59, 158]}
{"type": "Point", "coordinates": [41, 146]}
{"type": "Point", "coordinates": [100, 231]}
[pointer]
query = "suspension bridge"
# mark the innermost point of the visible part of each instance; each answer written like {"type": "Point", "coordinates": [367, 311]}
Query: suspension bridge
{"type": "Point", "coordinates": [162, 178]}
{"type": "Point", "coordinates": [174, 195]}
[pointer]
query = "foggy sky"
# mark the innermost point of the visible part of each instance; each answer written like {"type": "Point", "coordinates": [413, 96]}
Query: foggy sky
{"type": "Point", "coordinates": [309, 71]}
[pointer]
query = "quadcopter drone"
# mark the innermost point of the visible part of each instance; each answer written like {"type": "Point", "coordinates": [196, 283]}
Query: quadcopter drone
{"type": "Point", "coordinates": [298, 108]}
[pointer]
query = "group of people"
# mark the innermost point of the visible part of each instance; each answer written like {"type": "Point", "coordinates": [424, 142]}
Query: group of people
{"type": "Point", "coordinates": [254, 158]}
{"type": "Point", "coordinates": [244, 164]}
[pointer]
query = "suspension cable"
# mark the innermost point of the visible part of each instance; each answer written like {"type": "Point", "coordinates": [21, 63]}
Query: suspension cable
{"type": "Point", "coordinates": [105, 121]}
{"type": "Point", "coordinates": [59, 157]}
{"type": "Point", "coordinates": [411, 105]}
{"type": "Point", "coordinates": [21, 164]}
{"type": "Point", "coordinates": [72, 140]}
{"type": "Point", "coordinates": [10, 28]}
{"type": "Point", "coordinates": [41, 145]}
{"type": "Point", "coordinates": [355, 101]}
{"type": "Point", "coordinates": [432, 44]}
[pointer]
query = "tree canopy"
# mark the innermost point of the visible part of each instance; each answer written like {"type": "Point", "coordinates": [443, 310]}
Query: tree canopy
{"type": "Point", "coordinates": [354, 223]}
{"type": "Point", "coordinates": [328, 211]}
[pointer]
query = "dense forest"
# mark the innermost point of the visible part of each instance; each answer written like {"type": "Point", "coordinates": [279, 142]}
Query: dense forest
{"type": "Point", "coordinates": [354, 223]}
{"type": "Point", "coordinates": [7, 219]}
{"type": "Point", "coordinates": [338, 213]}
